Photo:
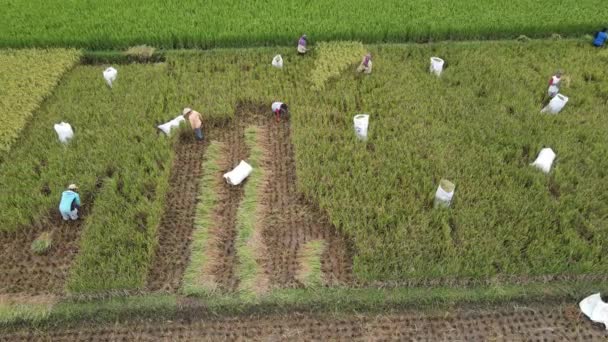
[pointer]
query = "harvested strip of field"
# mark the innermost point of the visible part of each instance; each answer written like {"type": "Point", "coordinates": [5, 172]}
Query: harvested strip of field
{"type": "Point", "coordinates": [196, 280]}
{"type": "Point", "coordinates": [291, 221]}
{"type": "Point", "coordinates": [28, 76]}
{"type": "Point", "coordinates": [23, 270]}
{"type": "Point", "coordinates": [249, 244]}
{"type": "Point", "coordinates": [177, 223]}
{"type": "Point", "coordinates": [501, 324]}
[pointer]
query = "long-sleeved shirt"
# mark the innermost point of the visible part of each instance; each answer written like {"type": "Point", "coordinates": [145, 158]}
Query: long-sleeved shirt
{"type": "Point", "coordinates": [67, 198]}
{"type": "Point", "coordinates": [600, 38]}
{"type": "Point", "coordinates": [302, 42]}
{"type": "Point", "coordinates": [195, 119]}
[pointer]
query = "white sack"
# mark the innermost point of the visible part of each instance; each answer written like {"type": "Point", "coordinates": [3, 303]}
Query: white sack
{"type": "Point", "coordinates": [594, 308]}
{"type": "Point", "coordinates": [277, 61]}
{"type": "Point", "coordinates": [238, 174]}
{"type": "Point", "coordinates": [436, 65]}
{"type": "Point", "coordinates": [64, 131]}
{"type": "Point", "coordinates": [361, 125]}
{"type": "Point", "coordinates": [556, 104]}
{"type": "Point", "coordinates": [110, 75]}
{"type": "Point", "coordinates": [444, 193]}
{"type": "Point", "coordinates": [167, 127]}
{"type": "Point", "coordinates": [544, 160]}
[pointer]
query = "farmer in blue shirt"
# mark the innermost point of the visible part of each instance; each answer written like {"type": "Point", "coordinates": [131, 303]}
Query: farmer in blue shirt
{"type": "Point", "coordinates": [600, 38]}
{"type": "Point", "coordinates": [70, 203]}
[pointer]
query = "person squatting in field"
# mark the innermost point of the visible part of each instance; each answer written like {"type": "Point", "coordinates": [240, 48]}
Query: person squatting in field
{"type": "Point", "coordinates": [196, 122]}
{"type": "Point", "coordinates": [366, 64]}
{"type": "Point", "coordinates": [554, 84]}
{"type": "Point", "coordinates": [302, 45]}
{"type": "Point", "coordinates": [279, 109]}
{"type": "Point", "coordinates": [70, 203]}
{"type": "Point", "coordinates": [600, 38]}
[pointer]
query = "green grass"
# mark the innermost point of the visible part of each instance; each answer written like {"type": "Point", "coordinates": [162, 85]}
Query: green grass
{"type": "Point", "coordinates": [42, 243]}
{"type": "Point", "coordinates": [194, 282]}
{"type": "Point", "coordinates": [247, 220]}
{"type": "Point", "coordinates": [29, 76]}
{"type": "Point", "coordinates": [117, 24]}
{"type": "Point", "coordinates": [310, 273]}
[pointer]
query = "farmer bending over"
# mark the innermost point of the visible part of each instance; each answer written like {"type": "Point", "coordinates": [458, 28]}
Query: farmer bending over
{"type": "Point", "coordinates": [600, 38]}
{"type": "Point", "coordinates": [302, 45]}
{"type": "Point", "coordinates": [195, 121]}
{"type": "Point", "coordinates": [554, 84]}
{"type": "Point", "coordinates": [366, 64]}
{"type": "Point", "coordinates": [70, 203]}
{"type": "Point", "coordinates": [279, 109]}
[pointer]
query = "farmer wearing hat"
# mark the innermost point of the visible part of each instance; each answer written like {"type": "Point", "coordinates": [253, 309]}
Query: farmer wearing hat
{"type": "Point", "coordinates": [279, 109]}
{"type": "Point", "coordinates": [366, 64]}
{"type": "Point", "coordinates": [196, 122]}
{"type": "Point", "coordinates": [554, 84]}
{"type": "Point", "coordinates": [70, 203]}
{"type": "Point", "coordinates": [302, 45]}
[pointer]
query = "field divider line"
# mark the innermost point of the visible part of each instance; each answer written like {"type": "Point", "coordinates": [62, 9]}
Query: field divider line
{"type": "Point", "coordinates": [250, 248]}
{"type": "Point", "coordinates": [197, 278]}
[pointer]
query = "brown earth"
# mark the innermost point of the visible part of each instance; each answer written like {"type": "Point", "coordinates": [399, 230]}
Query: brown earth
{"type": "Point", "coordinates": [177, 223]}
{"type": "Point", "coordinates": [290, 220]}
{"type": "Point", "coordinates": [23, 271]}
{"type": "Point", "coordinates": [506, 324]}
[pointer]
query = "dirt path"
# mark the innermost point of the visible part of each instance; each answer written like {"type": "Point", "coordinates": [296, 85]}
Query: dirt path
{"type": "Point", "coordinates": [22, 271]}
{"type": "Point", "coordinates": [508, 324]}
{"type": "Point", "coordinates": [177, 223]}
{"type": "Point", "coordinates": [291, 221]}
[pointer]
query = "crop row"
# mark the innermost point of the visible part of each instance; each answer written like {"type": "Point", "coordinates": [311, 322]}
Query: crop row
{"type": "Point", "coordinates": [27, 77]}
{"type": "Point", "coordinates": [186, 24]}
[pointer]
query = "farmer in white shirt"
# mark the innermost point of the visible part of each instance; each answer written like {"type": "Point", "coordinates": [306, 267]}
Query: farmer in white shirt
{"type": "Point", "coordinates": [554, 84]}
{"type": "Point", "coordinates": [279, 109]}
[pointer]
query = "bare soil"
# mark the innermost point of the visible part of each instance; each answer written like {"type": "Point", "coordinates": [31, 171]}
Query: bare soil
{"type": "Point", "coordinates": [177, 223]}
{"type": "Point", "coordinates": [291, 221]}
{"type": "Point", "coordinates": [508, 324]}
{"type": "Point", "coordinates": [23, 271]}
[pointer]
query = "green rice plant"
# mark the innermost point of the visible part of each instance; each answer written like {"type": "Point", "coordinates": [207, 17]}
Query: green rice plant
{"type": "Point", "coordinates": [332, 59]}
{"type": "Point", "coordinates": [309, 272]}
{"type": "Point", "coordinates": [248, 238]}
{"type": "Point", "coordinates": [29, 76]}
{"type": "Point", "coordinates": [195, 281]}
{"type": "Point", "coordinates": [114, 24]}
{"type": "Point", "coordinates": [42, 243]}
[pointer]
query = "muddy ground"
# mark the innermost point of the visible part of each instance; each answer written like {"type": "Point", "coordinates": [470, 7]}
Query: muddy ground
{"type": "Point", "coordinates": [507, 324]}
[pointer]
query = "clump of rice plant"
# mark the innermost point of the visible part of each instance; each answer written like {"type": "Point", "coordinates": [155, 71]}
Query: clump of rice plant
{"type": "Point", "coordinates": [333, 58]}
{"type": "Point", "coordinates": [309, 259]}
{"type": "Point", "coordinates": [42, 244]}
{"type": "Point", "coordinates": [140, 53]}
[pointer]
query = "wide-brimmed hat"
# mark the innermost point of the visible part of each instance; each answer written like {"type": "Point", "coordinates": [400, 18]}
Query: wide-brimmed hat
{"type": "Point", "coordinates": [186, 111]}
{"type": "Point", "coordinates": [72, 187]}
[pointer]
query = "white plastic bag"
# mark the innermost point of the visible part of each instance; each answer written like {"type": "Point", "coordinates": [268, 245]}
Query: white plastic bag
{"type": "Point", "coordinates": [544, 160]}
{"type": "Point", "coordinates": [277, 61]}
{"type": "Point", "coordinates": [556, 104]}
{"type": "Point", "coordinates": [361, 125]}
{"type": "Point", "coordinates": [444, 193]}
{"type": "Point", "coordinates": [168, 126]}
{"type": "Point", "coordinates": [110, 75]}
{"type": "Point", "coordinates": [594, 308]}
{"type": "Point", "coordinates": [238, 174]}
{"type": "Point", "coordinates": [436, 66]}
{"type": "Point", "coordinates": [64, 131]}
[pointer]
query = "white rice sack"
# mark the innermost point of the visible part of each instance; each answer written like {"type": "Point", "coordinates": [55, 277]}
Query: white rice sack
{"type": "Point", "coordinates": [64, 131]}
{"type": "Point", "coordinates": [594, 308]}
{"type": "Point", "coordinates": [277, 61]}
{"type": "Point", "coordinates": [238, 174]}
{"type": "Point", "coordinates": [168, 126]}
{"type": "Point", "coordinates": [110, 75]}
{"type": "Point", "coordinates": [545, 159]}
{"type": "Point", "coordinates": [444, 193]}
